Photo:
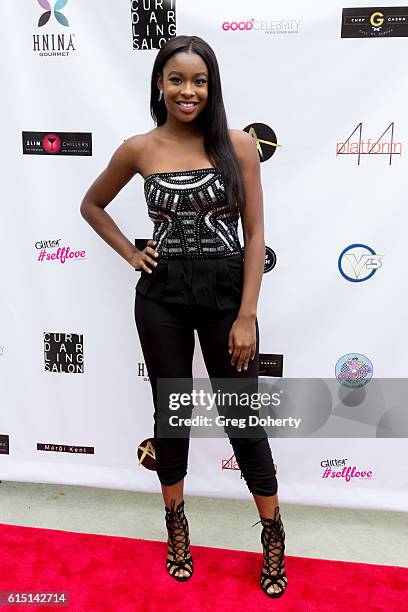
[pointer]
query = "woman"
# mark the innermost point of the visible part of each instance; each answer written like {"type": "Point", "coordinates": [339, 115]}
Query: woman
{"type": "Point", "coordinates": [199, 177]}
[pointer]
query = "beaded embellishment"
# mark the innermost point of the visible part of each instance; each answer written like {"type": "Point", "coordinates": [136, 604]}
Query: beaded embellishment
{"type": "Point", "coordinates": [192, 219]}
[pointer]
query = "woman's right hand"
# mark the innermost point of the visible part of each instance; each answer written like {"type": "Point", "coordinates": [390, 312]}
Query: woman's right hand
{"type": "Point", "coordinates": [140, 259]}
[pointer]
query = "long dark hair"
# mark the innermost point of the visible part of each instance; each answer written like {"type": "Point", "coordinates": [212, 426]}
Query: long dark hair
{"type": "Point", "coordinates": [212, 120]}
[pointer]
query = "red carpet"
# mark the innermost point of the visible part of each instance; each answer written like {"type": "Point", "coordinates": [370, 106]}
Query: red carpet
{"type": "Point", "coordinates": [123, 574]}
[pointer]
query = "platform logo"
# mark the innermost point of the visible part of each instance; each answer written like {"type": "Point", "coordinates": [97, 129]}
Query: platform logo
{"type": "Point", "coordinates": [232, 464]}
{"type": "Point", "coordinates": [357, 144]}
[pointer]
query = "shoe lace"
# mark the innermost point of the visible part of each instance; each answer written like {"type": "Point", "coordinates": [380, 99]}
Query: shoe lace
{"type": "Point", "coordinates": [177, 527]}
{"type": "Point", "coordinates": [273, 542]}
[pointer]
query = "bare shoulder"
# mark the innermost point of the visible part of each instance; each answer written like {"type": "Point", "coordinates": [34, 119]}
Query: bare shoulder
{"type": "Point", "coordinates": [134, 147]}
{"type": "Point", "coordinates": [139, 147]}
{"type": "Point", "coordinates": [245, 147]}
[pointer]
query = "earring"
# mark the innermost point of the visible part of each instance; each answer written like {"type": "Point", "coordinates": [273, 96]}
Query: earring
{"type": "Point", "coordinates": [161, 94]}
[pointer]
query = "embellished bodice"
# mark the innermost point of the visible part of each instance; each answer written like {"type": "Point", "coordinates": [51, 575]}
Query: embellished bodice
{"type": "Point", "coordinates": [192, 218]}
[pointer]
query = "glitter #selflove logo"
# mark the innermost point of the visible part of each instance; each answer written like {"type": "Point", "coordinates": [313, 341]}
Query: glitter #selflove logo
{"type": "Point", "coordinates": [45, 17]}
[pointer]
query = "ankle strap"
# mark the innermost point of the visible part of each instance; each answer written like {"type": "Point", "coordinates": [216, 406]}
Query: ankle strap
{"type": "Point", "coordinates": [172, 509]}
{"type": "Point", "coordinates": [269, 522]}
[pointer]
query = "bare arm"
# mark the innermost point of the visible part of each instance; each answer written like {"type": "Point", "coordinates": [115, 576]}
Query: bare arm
{"type": "Point", "coordinates": [252, 225]}
{"type": "Point", "coordinates": [119, 171]}
{"type": "Point", "coordinates": [242, 336]}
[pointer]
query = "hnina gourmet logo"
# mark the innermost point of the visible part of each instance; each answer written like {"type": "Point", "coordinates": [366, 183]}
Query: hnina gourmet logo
{"type": "Point", "coordinates": [60, 17]}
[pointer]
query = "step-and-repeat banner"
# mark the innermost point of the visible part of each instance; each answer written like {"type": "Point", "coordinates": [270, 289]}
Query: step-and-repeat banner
{"type": "Point", "coordinates": [322, 89]}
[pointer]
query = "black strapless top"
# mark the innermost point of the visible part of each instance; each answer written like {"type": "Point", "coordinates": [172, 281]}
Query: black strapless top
{"type": "Point", "coordinates": [196, 231]}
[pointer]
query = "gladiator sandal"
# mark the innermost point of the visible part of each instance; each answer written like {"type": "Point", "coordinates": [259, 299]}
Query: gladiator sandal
{"type": "Point", "coordinates": [178, 542]}
{"type": "Point", "coordinates": [273, 542]}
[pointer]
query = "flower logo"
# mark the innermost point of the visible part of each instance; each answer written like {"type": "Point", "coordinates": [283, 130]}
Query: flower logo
{"type": "Point", "coordinates": [58, 15]}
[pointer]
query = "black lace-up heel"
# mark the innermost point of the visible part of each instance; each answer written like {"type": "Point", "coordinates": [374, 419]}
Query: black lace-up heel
{"type": "Point", "coordinates": [179, 542]}
{"type": "Point", "coordinates": [273, 542]}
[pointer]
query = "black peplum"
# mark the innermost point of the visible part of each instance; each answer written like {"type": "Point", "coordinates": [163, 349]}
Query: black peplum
{"type": "Point", "coordinates": [196, 231]}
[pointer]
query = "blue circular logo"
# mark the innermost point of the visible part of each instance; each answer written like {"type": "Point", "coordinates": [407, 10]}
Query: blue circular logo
{"type": "Point", "coordinates": [354, 370]}
{"type": "Point", "coordinates": [359, 262]}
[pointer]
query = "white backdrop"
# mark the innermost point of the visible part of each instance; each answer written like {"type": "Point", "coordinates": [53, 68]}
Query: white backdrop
{"type": "Point", "coordinates": [310, 86]}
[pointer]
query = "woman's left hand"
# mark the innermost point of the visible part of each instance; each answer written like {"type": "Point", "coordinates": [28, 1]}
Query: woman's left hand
{"type": "Point", "coordinates": [242, 342]}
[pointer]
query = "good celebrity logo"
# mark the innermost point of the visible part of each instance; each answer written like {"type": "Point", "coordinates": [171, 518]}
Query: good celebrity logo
{"type": "Point", "coordinates": [267, 26]}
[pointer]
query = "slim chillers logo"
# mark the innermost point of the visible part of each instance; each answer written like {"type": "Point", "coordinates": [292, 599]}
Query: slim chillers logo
{"type": "Point", "coordinates": [354, 370]}
{"type": "Point", "coordinates": [359, 262]}
{"type": "Point", "coordinates": [51, 251]}
{"type": "Point", "coordinates": [265, 139]}
{"type": "Point", "coordinates": [378, 22]}
{"type": "Point", "coordinates": [64, 353]}
{"type": "Point", "coordinates": [61, 143]}
{"type": "Point", "coordinates": [58, 43]}
{"type": "Point", "coordinates": [153, 24]}
{"type": "Point", "coordinates": [257, 25]}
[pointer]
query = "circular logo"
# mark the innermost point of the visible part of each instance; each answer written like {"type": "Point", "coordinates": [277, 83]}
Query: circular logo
{"type": "Point", "coordinates": [146, 453]}
{"type": "Point", "coordinates": [265, 139]}
{"type": "Point", "coordinates": [270, 259]}
{"type": "Point", "coordinates": [359, 262]}
{"type": "Point", "coordinates": [354, 370]}
{"type": "Point", "coordinates": [51, 143]}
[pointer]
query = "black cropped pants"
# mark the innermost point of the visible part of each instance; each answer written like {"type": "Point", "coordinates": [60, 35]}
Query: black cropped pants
{"type": "Point", "coordinates": [166, 333]}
